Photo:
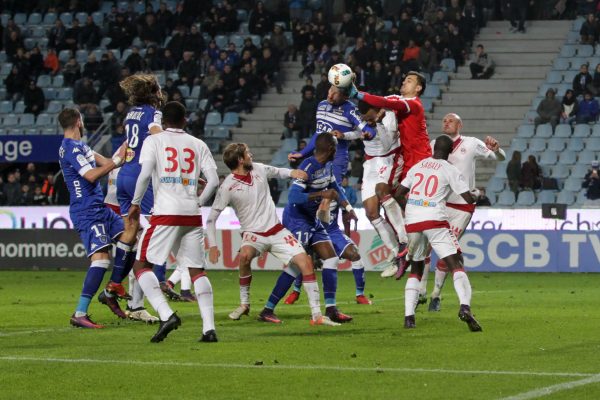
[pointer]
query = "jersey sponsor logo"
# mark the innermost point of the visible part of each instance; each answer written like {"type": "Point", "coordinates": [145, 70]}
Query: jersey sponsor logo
{"type": "Point", "coordinates": [81, 160]}
{"type": "Point", "coordinates": [323, 126]}
{"type": "Point", "coordinates": [463, 150]}
{"type": "Point", "coordinates": [130, 155]}
{"type": "Point", "coordinates": [178, 179]}
{"type": "Point", "coordinates": [422, 203]}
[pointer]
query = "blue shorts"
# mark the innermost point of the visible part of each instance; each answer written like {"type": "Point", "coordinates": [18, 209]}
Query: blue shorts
{"type": "Point", "coordinates": [307, 232]}
{"type": "Point", "coordinates": [125, 192]}
{"type": "Point", "coordinates": [98, 228]}
{"type": "Point", "coordinates": [339, 240]}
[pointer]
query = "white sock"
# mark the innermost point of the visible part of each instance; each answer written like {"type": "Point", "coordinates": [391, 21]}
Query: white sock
{"type": "Point", "coordinates": [175, 276]}
{"type": "Point", "coordinates": [245, 282]}
{"type": "Point", "coordinates": [411, 296]}
{"type": "Point", "coordinates": [462, 287]}
{"type": "Point", "coordinates": [394, 214]}
{"type": "Point", "coordinates": [150, 286]}
{"type": "Point", "coordinates": [387, 234]}
{"type": "Point", "coordinates": [440, 278]}
{"type": "Point", "coordinates": [204, 293]}
{"type": "Point", "coordinates": [424, 278]}
{"type": "Point", "coordinates": [136, 293]}
{"type": "Point", "coordinates": [186, 280]}
{"type": "Point", "coordinates": [311, 287]}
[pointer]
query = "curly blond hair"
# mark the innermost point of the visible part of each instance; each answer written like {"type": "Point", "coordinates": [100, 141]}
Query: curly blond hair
{"type": "Point", "coordinates": [142, 89]}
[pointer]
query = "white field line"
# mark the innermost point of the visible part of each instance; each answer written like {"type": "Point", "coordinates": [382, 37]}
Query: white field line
{"type": "Point", "coordinates": [287, 367]}
{"type": "Point", "coordinates": [533, 394]}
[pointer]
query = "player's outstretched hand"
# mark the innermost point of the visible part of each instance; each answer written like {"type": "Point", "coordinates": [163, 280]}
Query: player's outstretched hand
{"type": "Point", "coordinates": [134, 212]}
{"type": "Point", "coordinates": [330, 194]}
{"type": "Point", "coordinates": [353, 91]}
{"type": "Point", "coordinates": [347, 218]}
{"type": "Point", "coordinates": [214, 254]}
{"type": "Point", "coordinates": [337, 134]}
{"type": "Point", "coordinates": [294, 156]}
{"type": "Point", "coordinates": [492, 144]}
{"type": "Point", "coordinates": [299, 174]}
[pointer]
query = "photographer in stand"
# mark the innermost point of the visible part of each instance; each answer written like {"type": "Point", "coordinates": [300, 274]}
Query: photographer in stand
{"type": "Point", "coordinates": [592, 183]}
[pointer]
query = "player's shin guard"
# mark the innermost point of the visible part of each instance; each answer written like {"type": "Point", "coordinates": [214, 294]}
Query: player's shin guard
{"type": "Point", "coordinates": [312, 292]}
{"type": "Point", "coordinates": [204, 294]}
{"type": "Point", "coordinates": [149, 284]}
{"type": "Point", "coordinates": [245, 282]}
{"type": "Point", "coordinates": [425, 277]}
{"type": "Point", "coordinates": [394, 214]}
{"type": "Point", "coordinates": [160, 271]}
{"type": "Point", "coordinates": [462, 285]}
{"type": "Point", "coordinates": [136, 293]}
{"type": "Point", "coordinates": [411, 294]}
{"type": "Point", "coordinates": [298, 284]}
{"type": "Point", "coordinates": [329, 275]}
{"type": "Point", "coordinates": [282, 285]}
{"type": "Point", "coordinates": [124, 259]}
{"type": "Point", "coordinates": [358, 270]}
{"type": "Point", "coordinates": [93, 280]}
{"type": "Point", "coordinates": [387, 234]}
{"type": "Point", "coordinates": [440, 278]}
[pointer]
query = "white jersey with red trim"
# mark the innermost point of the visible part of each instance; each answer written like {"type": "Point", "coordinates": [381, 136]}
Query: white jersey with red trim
{"type": "Point", "coordinates": [250, 197]}
{"type": "Point", "coordinates": [430, 181]}
{"type": "Point", "coordinates": [466, 150]}
{"type": "Point", "coordinates": [178, 159]}
{"type": "Point", "coordinates": [111, 188]}
{"type": "Point", "coordinates": [387, 138]}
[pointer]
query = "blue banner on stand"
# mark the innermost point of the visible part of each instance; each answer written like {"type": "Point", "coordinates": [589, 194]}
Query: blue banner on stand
{"type": "Point", "coordinates": [22, 148]}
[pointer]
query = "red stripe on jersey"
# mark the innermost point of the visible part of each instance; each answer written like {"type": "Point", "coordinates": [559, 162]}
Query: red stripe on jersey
{"type": "Point", "coordinates": [425, 225]}
{"type": "Point", "coordinates": [198, 276]}
{"type": "Point", "coordinates": [456, 143]}
{"type": "Point", "coordinates": [244, 178]}
{"type": "Point", "coordinates": [272, 231]}
{"type": "Point", "coordinates": [176, 220]}
{"type": "Point", "coordinates": [146, 242]}
{"type": "Point", "coordinates": [142, 272]}
{"type": "Point", "coordinates": [470, 208]}
{"type": "Point", "coordinates": [116, 209]}
{"type": "Point", "coordinates": [392, 177]}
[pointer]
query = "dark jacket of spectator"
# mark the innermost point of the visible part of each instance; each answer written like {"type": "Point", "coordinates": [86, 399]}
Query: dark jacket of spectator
{"type": "Point", "coordinates": [591, 182]}
{"type": "Point", "coordinates": [582, 80]}
{"type": "Point", "coordinates": [34, 99]}
{"type": "Point", "coordinates": [90, 34]}
{"type": "Point", "coordinates": [134, 61]}
{"type": "Point", "coordinates": [513, 172]}
{"type": "Point", "coordinates": [588, 109]}
{"type": "Point", "coordinates": [15, 84]}
{"type": "Point", "coordinates": [84, 92]}
{"type": "Point", "coordinates": [12, 190]}
{"type": "Point", "coordinates": [549, 109]}
{"type": "Point", "coordinates": [531, 174]}
{"type": "Point", "coordinates": [261, 21]}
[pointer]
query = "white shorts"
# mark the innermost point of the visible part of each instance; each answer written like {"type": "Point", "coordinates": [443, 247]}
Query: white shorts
{"type": "Point", "coordinates": [386, 169]}
{"type": "Point", "coordinates": [458, 220]}
{"type": "Point", "coordinates": [442, 240]}
{"type": "Point", "coordinates": [282, 244]}
{"type": "Point", "coordinates": [187, 243]}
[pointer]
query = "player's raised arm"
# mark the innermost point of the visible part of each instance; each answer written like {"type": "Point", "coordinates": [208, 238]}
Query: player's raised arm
{"type": "Point", "coordinates": [491, 149]}
{"type": "Point", "coordinates": [363, 126]}
{"type": "Point", "coordinates": [310, 147]}
{"type": "Point", "coordinates": [283, 173]}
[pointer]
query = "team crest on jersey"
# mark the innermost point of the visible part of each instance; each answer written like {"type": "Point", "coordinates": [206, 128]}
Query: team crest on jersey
{"type": "Point", "coordinates": [130, 155]}
{"type": "Point", "coordinates": [463, 150]}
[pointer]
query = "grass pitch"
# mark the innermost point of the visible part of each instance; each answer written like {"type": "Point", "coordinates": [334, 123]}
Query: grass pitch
{"type": "Point", "coordinates": [540, 338]}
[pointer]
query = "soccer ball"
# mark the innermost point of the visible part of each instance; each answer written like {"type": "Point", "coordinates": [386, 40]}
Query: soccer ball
{"type": "Point", "coordinates": [340, 75]}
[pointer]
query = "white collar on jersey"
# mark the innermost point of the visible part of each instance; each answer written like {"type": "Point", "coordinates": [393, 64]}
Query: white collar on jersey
{"type": "Point", "coordinates": [175, 130]}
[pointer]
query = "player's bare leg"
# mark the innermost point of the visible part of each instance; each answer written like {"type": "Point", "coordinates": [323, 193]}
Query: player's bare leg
{"type": "Point", "coordinates": [358, 270]}
{"type": "Point", "coordinates": [384, 230]}
{"type": "Point", "coordinates": [463, 290]}
{"type": "Point", "coordinates": [247, 254]}
{"type": "Point", "coordinates": [204, 294]}
{"type": "Point", "coordinates": [329, 274]}
{"type": "Point", "coordinates": [411, 293]}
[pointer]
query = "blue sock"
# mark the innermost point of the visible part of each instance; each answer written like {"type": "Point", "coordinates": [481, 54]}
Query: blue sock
{"type": "Point", "coordinates": [282, 285]}
{"type": "Point", "coordinates": [123, 264]}
{"type": "Point", "coordinates": [329, 285]}
{"type": "Point", "coordinates": [161, 272]}
{"type": "Point", "coordinates": [93, 280]}
{"type": "Point", "coordinates": [298, 284]}
{"type": "Point", "coordinates": [359, 277]}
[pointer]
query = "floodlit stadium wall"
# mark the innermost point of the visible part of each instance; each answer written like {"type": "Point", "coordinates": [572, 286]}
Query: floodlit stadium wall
{"type": "Point", "coordinates": [514, 240]}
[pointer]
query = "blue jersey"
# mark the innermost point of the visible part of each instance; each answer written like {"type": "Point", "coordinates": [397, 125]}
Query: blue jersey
{"type": "Point", "coordinates": [137, 125]}
{"type": "Point", "coordinates": [343, 118]}
{"type": "Point", "coordinates": [76, 158]}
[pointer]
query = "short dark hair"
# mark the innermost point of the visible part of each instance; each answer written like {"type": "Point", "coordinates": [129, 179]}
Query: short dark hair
{"type": "Point", "coordinates": [364, 107]}
{"type": "Point", "coordinates": [68, 117]}
{"type": "Point", "coordinates": [324, 140]}
{"type": "Point", "coordinates": [443, 144]}
{"type": "Point", "coordinates": [173, 114]}
{"type": "Point", "coordinates": [232, 154]}
{"type": "Point", "coordinates": [480, 45]}
{"type": "Point", "coordinates": [420, 79]}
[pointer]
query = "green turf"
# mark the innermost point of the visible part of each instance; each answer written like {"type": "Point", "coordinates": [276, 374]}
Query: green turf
{"type": "Point", "coordinates": [532, 323]}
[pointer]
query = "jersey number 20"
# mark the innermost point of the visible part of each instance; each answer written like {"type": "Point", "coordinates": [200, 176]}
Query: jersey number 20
{"type": "Point", "coordinates": [174, 164]}
{"type": "Point", "coordinates": [431, 185]}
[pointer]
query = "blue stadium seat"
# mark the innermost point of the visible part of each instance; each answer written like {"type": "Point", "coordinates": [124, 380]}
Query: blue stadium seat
{"type": "Point", "coordinates": [586, 157]}
{"type": "Point", "coordinates": [567, 157]}
{"type": "Point", "coordinates": [185, 90]}
{"type": "Point", "coordinates": [49, 19]}
{"type": "Point", "coordinates": [231, 119]}
{"type": "Point", "coordinates": [256, 40]}
{"type": "Point", "coordinates": [43, 44]}
{"type": "Point", "coordinates": [81, 56]}
{"type": "Point", "coordinates": [495, 185]}
{"type": "Point", "coordinates": [238, 40]}
{"type": "Point", "coordinates": [554, 77]}
{"type": "Point", "coordinates": [543, 131]}
{"type": "Point", "coordinates": [2, 56]}
{"type": "Point", "coordinates": [568, 50]}
{"type": "Point", "coordinates": [427, 104]}
{"type": "Point", "coordinates": [556, 144]}
{"type": "Point", "coordinates": [592, 144]}
{"type": "Point", "coordinates": [3, 131]}
{"type": "Point", "coordinates": [20, 18]}
{"type": "Point", "coordinates": [10, 120]}
{"type": "Point", "coordinates": [288, 145]}
{"type": "Point", "coordinates": [280, 159]}
{"type": "Point", "coordinates": [548, 158]}
{"type": "Point", "coordinates": [50, 131]}
{"type": "Point", "coordinates": [526, 198]}
{"type": "Point", "coordinates": [581, 197]}
{"type": "Point", "coordinates": [577, 62]}
{"type": "Point", "coordinates": [64, 55]}
{"type": "Point", "coordinates": [530, 117]}
{"type": "Point", "coordinates": [202, 104]}
{"type": "Point", "coordinates": [506, 198]}
{"type": "Point", "coordinates": [537, 145]}
{"type": "Point", "coordinates": [6, 107]}
{"type": "Point", "coordinates": [596, 131]}
{"type": "Point", "coordinates": [544, 197]}
{"type": "Point", "coordinates": [570, 75]}
{"type": "Point", "coordinates": [440, 78]}
{"type": "Point", "coordinates": [214, 145]}
{"type": "Point", "coordinates": [575, 144]}
{"type": "Point", "coordinates": [66, 18]}
{"type": "Point", "coordinates": [519, 144]}
{"type": "Point", "coordinates": [213, 118]}
{"type": "Point", "coordinates": [38, 32]}
{"type": "Point", "coordinates": [525, 131]}
{"type": "Point", "coordinates": [562, 131]}
{"type": "Point", "coordinates": [65, 93]}
{"type": "Point", "coordinates": [561, 64]}
{"type": "Point", "coordinates": [560, 171]}
{"type": "Point", "coordinates": [222, 132]}
{"type": "Point", "coordinates": [44, 120]}
{"type": "Point", "coordinates": [432, 91]}
{"type": "Point", "coordinates": [5, 69]}
{"type": "Point", "coordinates": [54, 106]}
{"type": "Point", "coordinates": [244, 28]}
{"type": "Point", "coordinates": [564, 197]}
{"type": "Point", "coordinates": [448, 65]}
{"type": "Point", "coordinates": [195, 93]}
{"type": "Point", "coordinates": [501, 170]}
{"type": "Point", "coordinates": [579, 170]}
{"type": "Point", "coordinates": [585, 50]}
{"type": "Point", "coordinates": [191, 104]}
{"type": "Point", "coordinates": [58, 81]}
{"type": "Point", "coordinates": [581, 131]}
{"type": "Point", "coordinates": [44, 81]}
{"type": "Point", "coordinates": [19, 107]}
{"type": "Point", "coordinates": [221, 41]}
{"type": "Point", "coordinates": [26, 120]}
{"type": "Point", "coordinates": [29, 43]}
{"type": "Point", "coordinates": [34, 19]}
{"type": "Point", "coordinates": [242, 15]}
{"type": "Point", "coordinates": [98, 18]}
{"type": "Point", "coordinates": [32, 131]}
{"type": "Point", "coordinates": [573, 184]}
